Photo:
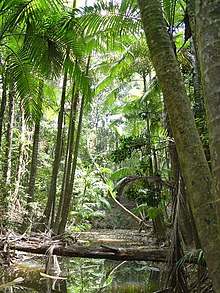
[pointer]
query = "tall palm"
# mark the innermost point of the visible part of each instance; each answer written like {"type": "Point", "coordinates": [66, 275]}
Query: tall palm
{"type": "Point", "coordinates": [35, 36]}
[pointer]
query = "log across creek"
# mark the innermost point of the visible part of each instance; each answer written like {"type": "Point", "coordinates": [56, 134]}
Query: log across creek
{"type": "Point", "coordinates": [116, 245]}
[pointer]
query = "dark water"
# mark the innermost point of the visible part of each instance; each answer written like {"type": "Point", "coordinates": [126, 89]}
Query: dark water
{"type": "Point", "coordinates": [81, 275]}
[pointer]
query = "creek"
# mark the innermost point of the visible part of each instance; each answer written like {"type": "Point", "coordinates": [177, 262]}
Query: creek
{"type": "Point", "coordinates": [80, 275]}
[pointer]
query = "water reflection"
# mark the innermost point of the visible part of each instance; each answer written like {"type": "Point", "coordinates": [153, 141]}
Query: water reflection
{"type": "Point", "coordinates": [83, 275]}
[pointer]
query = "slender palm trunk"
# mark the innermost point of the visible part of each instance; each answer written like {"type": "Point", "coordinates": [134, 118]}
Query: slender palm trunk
{"type": "Point", "coordinates": [33, 168]}
{"type": "Point", "coordinates": [8, 156]}
{"type": "Point", "coordinates": [69, 188]}
{"type": "Point", "coordinates": [191, 155]}
{"type": "Point", "coordinates": [3, 106]}
{"type": "Point", "coordinates": [68, 159]}
{"type": "Point", "coordinates": [9, 135]}
{"type": "Point", "coordinates": [33, 165]}
{"type": "Point", "coordinates": [50, 206]}
{"type": "Point", "coordinates": [20, 164]}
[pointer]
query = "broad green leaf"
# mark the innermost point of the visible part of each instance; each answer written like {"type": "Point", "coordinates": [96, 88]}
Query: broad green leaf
{"type": "Point", "coordinates": [123, 172]}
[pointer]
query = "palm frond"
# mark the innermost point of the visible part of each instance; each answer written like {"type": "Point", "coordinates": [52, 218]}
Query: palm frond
{"type": "Point", "coordinates": [20, 69]}
{"type": "Point", "coordinates": [15, 11]}
{"type": "Point", "coordinates": [83, 82]}
{"type": "Point", "coordinates": [111, 21]}
{"type": "Point", "coordinates": [26, 83]}
{"type": "Point", "coordinates": [119, 65]}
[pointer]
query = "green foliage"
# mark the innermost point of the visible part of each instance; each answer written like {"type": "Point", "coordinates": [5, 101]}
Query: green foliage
{"type": "Point", "coordinates": [120, 173]}
{"type": "Point", "coordinates": [127, 145]}
{"type": "Point", "coordinates": [144, 192]}
{"type": "Point", "coordinates": [124, 106]}
{"type": "Point", "coordinates": [194, 256]}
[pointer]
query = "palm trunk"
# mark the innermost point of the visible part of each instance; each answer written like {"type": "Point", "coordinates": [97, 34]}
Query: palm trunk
{"type": "Point", "coordinates": [33, 166]}
{"type": "Point", "coordinates": [69, 188]}
{"type": "Point", "coordinates": [68, 159]}
{"type": "Point", "coordinates": [158, 221]}
{"type": "Point", "coordinates": [33, 169]}
{"type": "Point", "coordinates": [9, 135]}
{"type": "Point", "coordinates": [3, 106]}
{"type": "Point", "coordinates": [52, 192]}
{"type": "Point", "coordinates": [8, 155]}
{"type": "Point", "coordinates": [194, 166]}
{"type": "Point", "coordinates": [20, 167]}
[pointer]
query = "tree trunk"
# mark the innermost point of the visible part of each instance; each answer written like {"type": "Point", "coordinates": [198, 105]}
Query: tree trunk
{"type": "Point", "coordinates": [9, 134]}
{"type": "Point", "coordinates": [33, 166]}
{"type": "Point", "coordinates": [8, 155]}
{"type": "Point", "coordinates": [208, 41]}
{"type": "Point", "coordinates": [69, 188]}
{"type": "Point", "coordinates": [194, 166]}
{"type": "Point", "coordinates": [102, 252]}
{"type": "Point", "coordinates": [52, 192]}
{"type": "Point", "coordinates": [33, 169]}
{"type": "Point", "coordinates": [199, 107]}
{"type": "Point", "coordinates": [68, 159]}
{"type": "Point", "coordinates": [186, 222]}
{"type": "Point", "coordinates": [20, 165]}
{"type": "Point", "coordinates": [3, 106]}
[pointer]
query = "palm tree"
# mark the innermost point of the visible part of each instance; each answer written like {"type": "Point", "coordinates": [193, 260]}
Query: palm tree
{"type": "Point", "coordinates": [71, 168]}
{"type": "Point", "coordinates": [50, 205]}
{"type": "Point", "coordinates": [35, 37]}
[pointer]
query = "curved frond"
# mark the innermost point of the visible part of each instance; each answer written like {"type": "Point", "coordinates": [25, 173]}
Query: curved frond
{"type": "Point", "coordinates": [108, 22]}
{"type": "Point", "coordinates": [15, 11]}
{"type": "Point", "coordinates": [26, 83]}
{"type": "Point", "coordinates": [83, 82]}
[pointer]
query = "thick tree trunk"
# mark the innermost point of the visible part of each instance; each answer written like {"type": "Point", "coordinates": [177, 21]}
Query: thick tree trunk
{"type": "Point", "coordinates": [199, 107]}
{"type": "Point", "coordinates": [186, 222]}
{"type": "Point", "coordinates": [192, 159]}
{"type": "Point", "coordinates": [208, 39]}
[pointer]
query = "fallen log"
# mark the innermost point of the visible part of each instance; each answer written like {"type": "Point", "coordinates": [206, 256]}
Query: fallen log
{"type": "Point", "coordinates": [102, 252]}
